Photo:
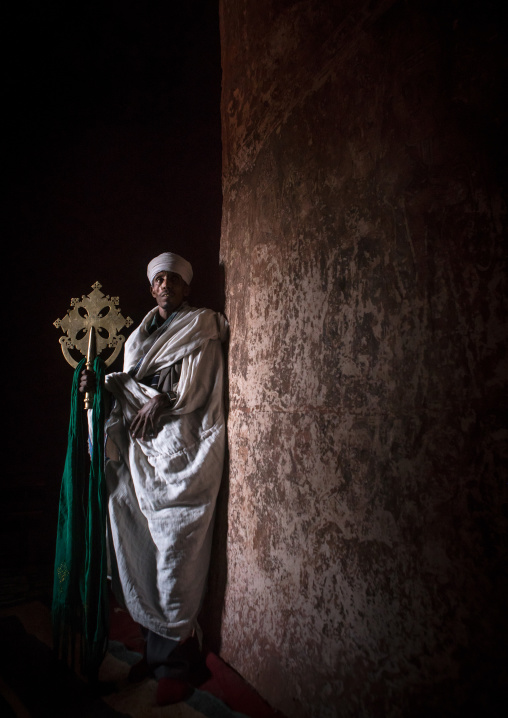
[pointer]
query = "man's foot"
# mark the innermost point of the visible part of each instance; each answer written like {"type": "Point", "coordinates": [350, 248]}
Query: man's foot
{"type": "Point", "coordinates": [139, 671]}
{"type": "Point", "coordinates": [172, 690]}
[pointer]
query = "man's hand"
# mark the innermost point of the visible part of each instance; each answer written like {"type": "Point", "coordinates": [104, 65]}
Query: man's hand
{"type": "Point", "coordinates": [87, 381]}
{"type": "Point", "coordinates": [145, 422]}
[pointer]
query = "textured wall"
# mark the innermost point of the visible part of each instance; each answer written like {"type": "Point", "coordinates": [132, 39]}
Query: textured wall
{"type": "Point", "coordinates": [365, 280]}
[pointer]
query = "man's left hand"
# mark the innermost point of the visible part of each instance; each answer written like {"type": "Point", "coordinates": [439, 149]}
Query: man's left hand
{"type": "Point", "coordinates": [145, 422]}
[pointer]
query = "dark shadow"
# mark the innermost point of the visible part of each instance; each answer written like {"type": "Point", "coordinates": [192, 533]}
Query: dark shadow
{"type": "Point", "coordinates": [44, 685]}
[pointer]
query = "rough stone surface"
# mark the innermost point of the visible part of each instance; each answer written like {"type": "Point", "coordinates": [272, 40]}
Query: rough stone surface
{"type": "Point", "coordinates": [365, 284]}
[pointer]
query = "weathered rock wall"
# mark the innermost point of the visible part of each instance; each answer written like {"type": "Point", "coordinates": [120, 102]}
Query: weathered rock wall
{"type": "Point", "coordinates": [365, 280]}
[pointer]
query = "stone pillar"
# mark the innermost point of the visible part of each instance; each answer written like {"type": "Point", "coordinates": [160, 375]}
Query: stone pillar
{"type": "Point", "coordinates": [365, 279]}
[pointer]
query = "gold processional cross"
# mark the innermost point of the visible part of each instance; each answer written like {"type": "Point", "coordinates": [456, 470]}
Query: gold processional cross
{"type": "Point", "coordinates": [91, 326]}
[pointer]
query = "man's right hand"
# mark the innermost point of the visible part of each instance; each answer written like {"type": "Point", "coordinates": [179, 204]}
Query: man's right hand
{"type": "Point", "coordinates": [87, 381]}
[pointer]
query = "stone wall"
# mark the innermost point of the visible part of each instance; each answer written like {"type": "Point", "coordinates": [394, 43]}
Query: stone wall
{"type": "Point", "coordinates": [365, 280]}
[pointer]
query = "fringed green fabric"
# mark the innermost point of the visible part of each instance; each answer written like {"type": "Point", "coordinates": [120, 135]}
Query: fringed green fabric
{"type": "Point", "coordinates": [80, 603]}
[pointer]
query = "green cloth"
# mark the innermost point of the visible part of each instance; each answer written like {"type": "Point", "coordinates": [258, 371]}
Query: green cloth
{"type": "Point", "coordinates": [80, 603]}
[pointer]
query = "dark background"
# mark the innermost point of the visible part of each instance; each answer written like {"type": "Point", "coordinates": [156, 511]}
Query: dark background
{"type": "Point", "coordinates": [112, 154]}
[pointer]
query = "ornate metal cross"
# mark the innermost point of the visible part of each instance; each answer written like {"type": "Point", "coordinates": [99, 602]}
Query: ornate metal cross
{"type": "Point", "coordinates": [92, 325]}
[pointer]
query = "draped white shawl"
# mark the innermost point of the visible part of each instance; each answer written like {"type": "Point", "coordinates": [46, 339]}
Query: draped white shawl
{"type": "Point", "coordinates": [162, 490]}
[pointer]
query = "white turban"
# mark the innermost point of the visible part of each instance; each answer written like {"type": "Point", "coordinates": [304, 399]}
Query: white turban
{"type": "Point", "coordinates": [169, 262]}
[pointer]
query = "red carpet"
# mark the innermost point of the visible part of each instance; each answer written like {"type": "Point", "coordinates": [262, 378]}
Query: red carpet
{"type": "Point", "coordinates": [34, 685]}
{"type": "Point", "coordinates": [224, 683]}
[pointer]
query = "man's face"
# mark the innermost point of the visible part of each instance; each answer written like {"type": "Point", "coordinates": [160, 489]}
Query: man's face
{"type": "Point", "coordinates": [169, 290]}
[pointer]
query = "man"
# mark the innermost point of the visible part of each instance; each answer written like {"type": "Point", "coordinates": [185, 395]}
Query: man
{"type": "Point", "coordinates": [165, 448]}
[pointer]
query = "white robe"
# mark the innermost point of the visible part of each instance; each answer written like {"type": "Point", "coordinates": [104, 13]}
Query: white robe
{"type": "Point", "coordinates": [162, 490]}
